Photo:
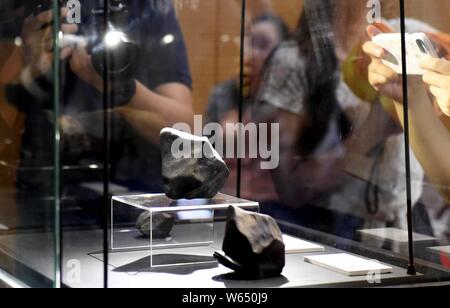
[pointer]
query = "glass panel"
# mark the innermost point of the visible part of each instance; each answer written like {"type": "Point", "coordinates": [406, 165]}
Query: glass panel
{"type": "Point", "coordinates": [29, 127]}
{"type": "Point", "coordinates": [191, 47]}
{"type": "Point", "coordinates": [268, 28]}
{"type": "Point", "coordinates": [341, 178]}
{"type": "Point", "coordinates": [83, 146]}
{"type": "Point", "coordinates": [221, 105]}
{"type": "Point", "coordinates": [303, 99]}
{"type": "Point", "coordinates": [429, 124]}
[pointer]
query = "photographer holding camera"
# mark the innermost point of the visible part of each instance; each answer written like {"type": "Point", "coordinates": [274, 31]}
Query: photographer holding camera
{"type": "Point", "coordinates": [428, 114]}
{"type": "Point", "coordinates": [149, 87]}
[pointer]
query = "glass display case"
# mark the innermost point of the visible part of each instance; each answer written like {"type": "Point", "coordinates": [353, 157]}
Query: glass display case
{"type": "Point", "coordinates": [303, 100]}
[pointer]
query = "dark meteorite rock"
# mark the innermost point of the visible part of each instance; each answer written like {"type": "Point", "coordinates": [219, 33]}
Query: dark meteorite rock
{"type": "Point", "coordinates": [162, 224]}
{"type": "Point", "coordinates": [191, 168]}
{"type": "Point", "coordinates": [253, 245]}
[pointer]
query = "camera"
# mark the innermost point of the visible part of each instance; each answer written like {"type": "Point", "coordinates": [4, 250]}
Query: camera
{"type": "Point", "coordinates": [422, 46]}
{"type": "Point", "coordinates": [418, 47]}
{"type": "Point", "coordinates": [113, 52]}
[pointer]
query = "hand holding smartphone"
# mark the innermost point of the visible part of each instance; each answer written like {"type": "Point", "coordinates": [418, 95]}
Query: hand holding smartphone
{"type": "Point", "coordinates": [418, 48]}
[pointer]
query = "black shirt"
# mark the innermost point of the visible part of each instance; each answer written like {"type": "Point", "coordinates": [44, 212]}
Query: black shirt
{"type": "Point", "coordinates": [135, 163]}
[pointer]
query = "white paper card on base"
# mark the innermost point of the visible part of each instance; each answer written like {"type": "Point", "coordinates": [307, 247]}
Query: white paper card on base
{"type": "Point", "coordinates": [445, 250]}
{"type": "Point", "coordinates": [395, 235]}
{"type": "Point", "coordinates": [3, 228]}
{"type": "Point", "coordinates": [348, 265]}
{"type": "Point", "coordinates": [295, 245]}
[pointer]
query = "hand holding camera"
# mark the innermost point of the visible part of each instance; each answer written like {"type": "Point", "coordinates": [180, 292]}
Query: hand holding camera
{"type": "Point", "coordinates": [422, 60]}
{"type": "Point", "coordinates": [386, 66]}
{"type": "Point", "coordinates": [418, 48]}
{"type": "Point", "coordinates": [37, 41]}
{"type": "Point", "coordinates": [100, 52]}
{"type": "Point", "coordinates": [382, 77]}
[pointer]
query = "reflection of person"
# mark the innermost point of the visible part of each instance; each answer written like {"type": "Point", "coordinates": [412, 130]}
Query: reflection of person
{"type": "Point", "coordinates": [428, 117]}
{"type": "Point", "coordinates": [161, 85]}
{"type": "Point", "coordinates": [341, 158]}
{"type": "Point", "coordinates": [266, 33]}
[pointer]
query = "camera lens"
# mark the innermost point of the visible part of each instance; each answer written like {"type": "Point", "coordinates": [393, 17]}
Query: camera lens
{"type": "Point", "coordinates": [122, 56]}
{"type": "Point", "coordinates": [423, 48]}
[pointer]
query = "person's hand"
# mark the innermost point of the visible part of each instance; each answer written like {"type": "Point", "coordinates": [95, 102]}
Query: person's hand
{"type": "Point", "coordinates": [384, 79]}
{"type": "Point", "coordinates": [437, 77]}
{"type": "Point", "coordinates": [37, 32]}
{"type": "Point", "coordinates": [441, 42]}
{"type": "Point", "coordinates": [81, 65]}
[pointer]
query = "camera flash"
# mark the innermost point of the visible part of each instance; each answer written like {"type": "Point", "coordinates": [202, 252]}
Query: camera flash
{"type": "Point", "coordinates": [113, 38]}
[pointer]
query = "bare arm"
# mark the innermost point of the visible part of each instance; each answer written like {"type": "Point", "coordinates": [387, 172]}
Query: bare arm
{"type": "Point", "coordinates": [172, 101]}
{"type": "Point", "coordinates": [148, 111]}
{"type": "Point", "coordinates": [430, 138]}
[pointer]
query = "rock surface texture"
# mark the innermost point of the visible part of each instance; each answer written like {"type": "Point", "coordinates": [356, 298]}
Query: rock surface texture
{"type": "Point", "coordinates": [161, 225]}
{"type": "Point", "coordinates": [191, 167]}
{"type": "Point", "coordinates": [254, 245]}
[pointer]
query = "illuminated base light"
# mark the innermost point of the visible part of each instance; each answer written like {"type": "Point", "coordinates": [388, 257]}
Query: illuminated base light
{"type": "Point", "coordinates": [93, 167]}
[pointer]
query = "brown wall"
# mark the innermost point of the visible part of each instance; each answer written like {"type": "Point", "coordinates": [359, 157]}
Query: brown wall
{"type": "Point", "coordinates": [433, 12]}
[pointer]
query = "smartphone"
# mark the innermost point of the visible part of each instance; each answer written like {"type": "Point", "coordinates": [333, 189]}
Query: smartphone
{"type": "Point", "coordinates": [418, 48]}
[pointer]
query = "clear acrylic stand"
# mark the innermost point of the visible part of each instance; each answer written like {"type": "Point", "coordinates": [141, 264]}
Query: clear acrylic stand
{"type": "Point", "coordinates": [198, 230]}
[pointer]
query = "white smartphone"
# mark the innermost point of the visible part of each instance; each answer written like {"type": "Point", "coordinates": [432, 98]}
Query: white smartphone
{"type": "Point", "coordinates": [418, 48]}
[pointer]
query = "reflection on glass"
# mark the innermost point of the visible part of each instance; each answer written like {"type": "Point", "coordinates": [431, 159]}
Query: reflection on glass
{"type": "Point", "coordinates": [142, 54]}
{"type": "Point", "coordinates": [342, 150]}
{"type": "Point", "coordinates": [428, 126]}
{"type": "Point", "coordinates": [28, 130]}
{"type": "Point", "coordinates": [267, 31]}
{"type": "Point", "coordinates": [429, 131]}
{"type": "Point", "coordinates": [309, 67]}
